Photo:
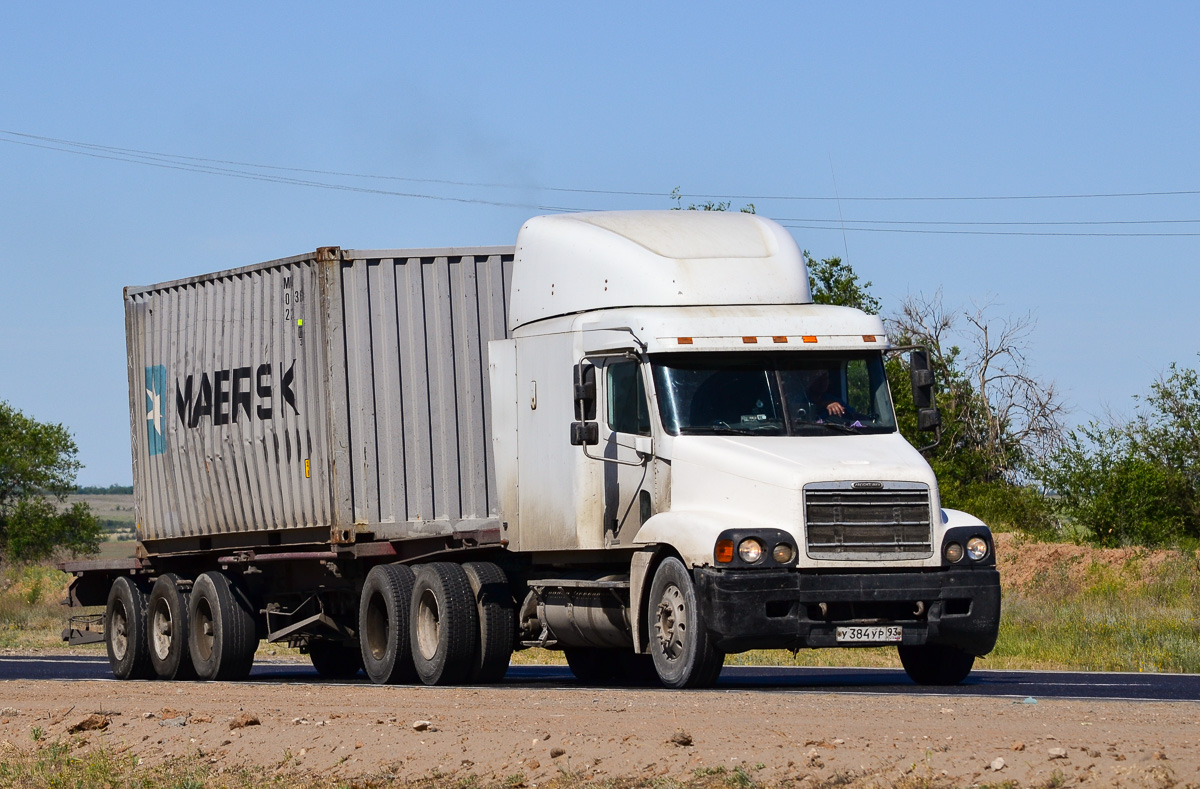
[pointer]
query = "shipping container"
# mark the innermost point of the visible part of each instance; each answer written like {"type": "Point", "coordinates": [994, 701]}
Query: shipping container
{"type": "Point", "coordinates": [342, 391]}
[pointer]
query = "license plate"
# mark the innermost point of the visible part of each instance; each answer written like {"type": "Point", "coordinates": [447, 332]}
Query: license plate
{"type": "Point", "coordinates": [873, 634]}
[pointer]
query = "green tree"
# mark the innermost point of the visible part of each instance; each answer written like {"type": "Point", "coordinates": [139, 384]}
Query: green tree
{"type": "Point", "coordinates": [37, 471]}
{"type": "Point", "coordinates": [833, 281]}
{"type": "Point", "coordinates": [1134, 481]}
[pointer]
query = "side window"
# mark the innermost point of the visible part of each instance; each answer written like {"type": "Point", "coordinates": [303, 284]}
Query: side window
{"type": "Point", "coordinates": [627, 408]}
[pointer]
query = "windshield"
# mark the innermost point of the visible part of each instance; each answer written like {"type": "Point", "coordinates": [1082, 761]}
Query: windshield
{"type": "Point", "coordinates": [773, 394]}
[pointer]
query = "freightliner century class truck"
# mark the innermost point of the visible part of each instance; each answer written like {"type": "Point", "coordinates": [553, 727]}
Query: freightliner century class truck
{"type": "Point", "coordinates": [632, 438]}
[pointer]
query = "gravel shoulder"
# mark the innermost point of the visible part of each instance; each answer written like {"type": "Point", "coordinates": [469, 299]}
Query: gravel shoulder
{"type": "Point", "coordinates": [586, 735]}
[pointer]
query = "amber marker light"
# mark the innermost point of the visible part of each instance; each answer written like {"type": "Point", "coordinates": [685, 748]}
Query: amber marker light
{"type": "Point", "coordinates": [685, 340]}
{"type": "Point", "coordinates": [724, 551]}
{"type": "Point", "coordinates": [868, 338]}
{"type": "Point", "coordinates": [779, 339]}
{"type": "Point", "coordinates": [809, 338]}
{"type": "Point", "coordinates": [750, 340]}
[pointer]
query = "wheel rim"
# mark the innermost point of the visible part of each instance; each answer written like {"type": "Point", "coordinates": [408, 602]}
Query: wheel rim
{"type": "Point", "coordinates": [204, 630]}
{"type": "Point", "coordinates": [671, 623]}
{"type": "Point", "coordinates": [119, 636]}
{"type": "Point", "coordinates": [428, 624]}
{"type": "Point", "coordinates": [161, 629]}
{"type": "Point", "coordinates": [377, 627]}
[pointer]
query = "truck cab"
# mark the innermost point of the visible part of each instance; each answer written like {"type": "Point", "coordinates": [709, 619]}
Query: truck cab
{"type": "Point", "coordinates": [671, 397]}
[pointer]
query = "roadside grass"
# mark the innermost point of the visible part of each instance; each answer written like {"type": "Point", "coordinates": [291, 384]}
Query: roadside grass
{"type": "Point", "coordinates": [1136, 615]}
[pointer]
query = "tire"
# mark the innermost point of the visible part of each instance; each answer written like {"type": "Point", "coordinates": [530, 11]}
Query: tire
{"type": "Point", "coordinates": [223, 631]}
{"type": "Point", "coordinates": [335, 659]}
{"type": "Point", "coordinates": [443, 626]}
{"type": "Point", "coordinates": [935, 664]}
{"type": "Point", "coordinates": [126, 631]}
{"type": "Point", "coordinates": [680, 644]}
{"type": "Point", "coordinates": [497, 628]}
{"type": "Point", "coordinates": [167, 614]}
{"type": "Point", "coordinates": [383, 628]}
{"type": "Point", "coordinates": [592, 665]}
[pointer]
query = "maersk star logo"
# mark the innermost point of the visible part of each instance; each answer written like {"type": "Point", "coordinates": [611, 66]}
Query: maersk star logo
{"type": "Point", "coordinates": [156, 385]}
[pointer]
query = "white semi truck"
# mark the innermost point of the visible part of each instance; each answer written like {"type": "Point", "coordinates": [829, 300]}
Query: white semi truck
{"type": "Point", "coordinates": [632, 437]}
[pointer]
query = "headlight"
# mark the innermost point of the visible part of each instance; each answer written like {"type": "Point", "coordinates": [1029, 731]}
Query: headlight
{"type": "Point", "coordinates": [977, 548]}
{"type": "Point", "coordinates": [750, 550]}
{"type": "Point", "coordinates": [953, 552]}
{"type": "Point", "coordinates": [783, 553]}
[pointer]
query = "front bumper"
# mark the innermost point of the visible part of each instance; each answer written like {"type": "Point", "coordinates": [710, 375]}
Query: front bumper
{"type": "Point", "coordinates": [789, 609]}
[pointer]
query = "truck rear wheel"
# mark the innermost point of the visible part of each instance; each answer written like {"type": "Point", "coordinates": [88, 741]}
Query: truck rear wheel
{"type": "Point", "coordinates": [494, 609]}
{"type": "Point", "coordinates": [935, 664]}
{"type": "Point", "coordinates": [682, 649]}
{"type": "Point", "coordinates": [383, 628]}
{"type": "Point", "coordinates": [223, 633]}
{"type": "Point", "coordinates": [335, 659]}
{"type": "Point", "coordinates": [125, 631]}
{"type": "Point", "coordinates": [168, 614]}
{"type": "Point", "coordinates": [443, 625]}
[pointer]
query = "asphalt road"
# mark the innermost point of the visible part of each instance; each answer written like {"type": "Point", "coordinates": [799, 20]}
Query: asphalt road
{"type": "Point", "coordinates": [1021, 686]}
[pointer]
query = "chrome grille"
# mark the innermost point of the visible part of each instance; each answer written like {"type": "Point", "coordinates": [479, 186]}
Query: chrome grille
{"type": "Point", "coordinates": [889, 520]}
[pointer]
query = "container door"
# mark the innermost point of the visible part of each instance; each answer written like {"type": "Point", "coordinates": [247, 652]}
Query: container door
{"type": "Point", "coordinates": [625, 427]}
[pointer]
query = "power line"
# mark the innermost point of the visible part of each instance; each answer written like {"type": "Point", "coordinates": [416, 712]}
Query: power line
{"type": "Point", "coordinates": [991, 223]}
{"type": "Point", "coordinates": [201, 164]}
{"type": "Point", "coordinates": [988, 232]}
{"type": "Point", "coordinates": [227, 172]}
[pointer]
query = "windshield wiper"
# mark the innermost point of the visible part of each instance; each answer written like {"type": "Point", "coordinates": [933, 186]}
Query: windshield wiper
{"type": "Point", "coordinates": [725, 429]}
{"type": "Point", "coordinates": [837, 426]}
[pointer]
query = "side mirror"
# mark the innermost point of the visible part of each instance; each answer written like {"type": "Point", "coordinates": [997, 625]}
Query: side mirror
{"type": "Point", "coordinates": [928, 417]}
{"type": "Point", "coordinates": [585, 431]}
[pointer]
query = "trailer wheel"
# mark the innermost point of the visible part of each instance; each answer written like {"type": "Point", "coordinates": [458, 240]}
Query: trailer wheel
{"type": "Point", "coordinates": [168, 636]}
{"type": "Point", "coordinates": [223, 633]}
{"type": "Point", "coordinates": [682, 649]}
{"type": "Point", "coordinates": [383, 625]}
{"type": "Point", "coordinates": [443, 625]}
{"type": "Point", "coordinates": [936, 664]}
{"type": "Point", "coordinates": [335, 659]}
{"type": "Point", "coordinates": [494, 609]}
{"type": "Point", "coordinates": [125, 631]}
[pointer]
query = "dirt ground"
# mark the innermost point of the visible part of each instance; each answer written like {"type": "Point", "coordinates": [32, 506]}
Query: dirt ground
{"type": "Point", "coordinates": [584, 735]}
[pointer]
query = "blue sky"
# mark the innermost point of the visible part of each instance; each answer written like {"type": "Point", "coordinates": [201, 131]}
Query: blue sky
{"type": "Point", "coordinates": [778, 100]}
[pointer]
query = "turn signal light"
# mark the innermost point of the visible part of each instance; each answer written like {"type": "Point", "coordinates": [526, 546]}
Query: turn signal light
{"type": "Point", "coordinates": [724, 551]}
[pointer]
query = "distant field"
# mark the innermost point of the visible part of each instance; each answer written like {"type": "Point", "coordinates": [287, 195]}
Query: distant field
{"type": "Point", "coordinates": [115, 512]}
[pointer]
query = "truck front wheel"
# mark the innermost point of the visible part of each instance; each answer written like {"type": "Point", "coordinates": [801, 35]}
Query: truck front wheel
{"type": "Point", "coordinates": [681, 646]}
{"type": "Point", "coordinates": [223, 634]}
{"type": "Point", "coordinates": [935, 664]}
{"type": "Point", "coordinates": [168, 612]}
{"type": "Point", "coordinates": [125, 631]}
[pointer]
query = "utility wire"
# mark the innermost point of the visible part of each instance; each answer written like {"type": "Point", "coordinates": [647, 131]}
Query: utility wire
{"type": "Point", "coordinates": [987, 232]}
{"type": "Point", "coordinates": [141, 156]}
{"type": "Point", "coordinates": [199, 168]}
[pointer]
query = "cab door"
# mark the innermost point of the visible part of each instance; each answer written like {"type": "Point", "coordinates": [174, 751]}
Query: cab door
{"type": "Point", "coordinates": [625, 441]}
